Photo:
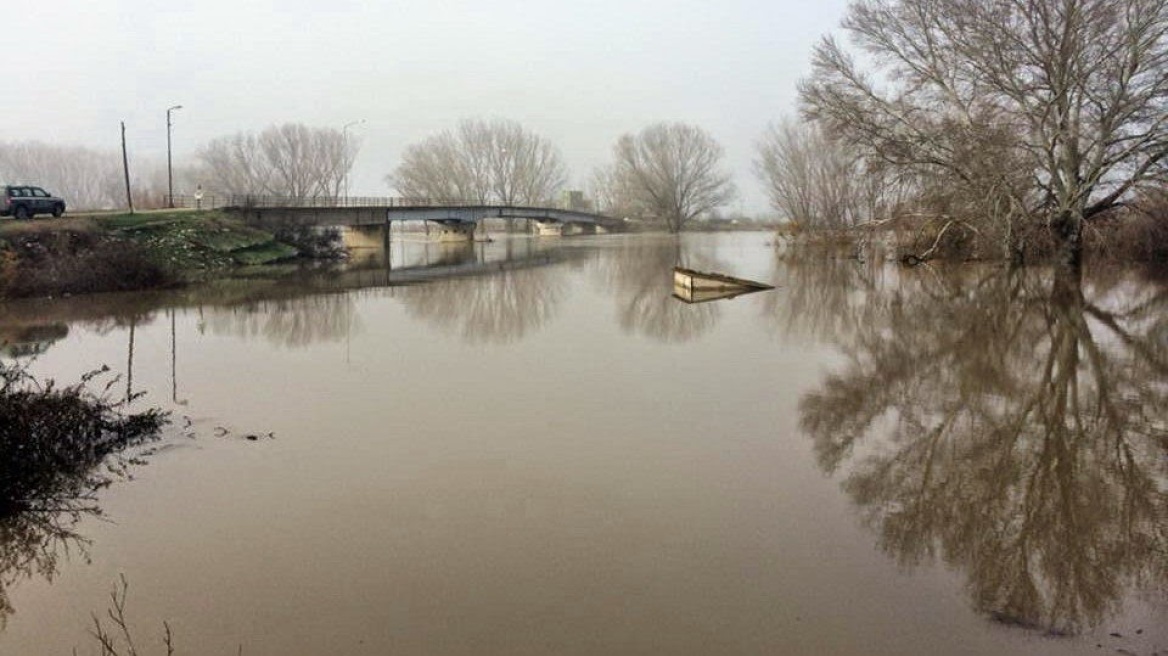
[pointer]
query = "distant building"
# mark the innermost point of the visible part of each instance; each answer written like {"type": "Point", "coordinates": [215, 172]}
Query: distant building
{"type": "Point", "coordinates": [574, 201]}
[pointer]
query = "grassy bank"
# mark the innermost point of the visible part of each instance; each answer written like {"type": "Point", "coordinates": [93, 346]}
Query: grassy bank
{"type": "Point", "coordinates": [122, 252]}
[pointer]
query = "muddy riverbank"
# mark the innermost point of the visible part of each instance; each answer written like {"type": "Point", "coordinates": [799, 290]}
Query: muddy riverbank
{"type": "Point", "coordinates": [153, 250]}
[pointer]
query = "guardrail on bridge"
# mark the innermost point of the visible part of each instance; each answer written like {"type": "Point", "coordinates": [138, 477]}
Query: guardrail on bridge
{"type": "Point", "coordinates": [214, 201]}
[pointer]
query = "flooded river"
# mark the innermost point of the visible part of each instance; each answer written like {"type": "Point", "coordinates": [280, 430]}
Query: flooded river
{"type": "Point", "coordinates": [531, 447]}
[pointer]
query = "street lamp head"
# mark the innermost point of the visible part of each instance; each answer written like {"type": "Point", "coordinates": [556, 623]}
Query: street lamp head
{"type": "Point", "coordinates": [174, 107]}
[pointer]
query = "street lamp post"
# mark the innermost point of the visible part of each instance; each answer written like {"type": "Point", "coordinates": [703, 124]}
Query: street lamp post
{"type": "Point", "coordinates": [169, 170]}
{"type": "Point", "coordinates": [345, 139]}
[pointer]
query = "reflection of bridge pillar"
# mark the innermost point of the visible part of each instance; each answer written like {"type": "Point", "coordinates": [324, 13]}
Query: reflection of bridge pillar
{"type": "Point", "coordinates": [549, 228]}
{"type": "Point", "coordinates": [453, 231]}
{"type": "Point", "coordinates": [364, 243]}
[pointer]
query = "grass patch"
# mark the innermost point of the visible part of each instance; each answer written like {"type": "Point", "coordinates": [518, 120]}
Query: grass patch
{"type": "Point", "coordinates": [267, 253]}
{"type": "Point", "coordinates": [11, 228]}
{"type": "Point", "coordinates": [194, 245]}
{"type": "Point", "coordinates": [231, 239]}
{"type": "Point", "coordinates": [119, 221]}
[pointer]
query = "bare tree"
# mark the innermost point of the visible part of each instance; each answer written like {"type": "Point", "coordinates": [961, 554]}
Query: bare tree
{"type": "Point", "coordinates": [671, 172]}
{"type": "Point", "coordinates": [1071, 93]}
{"type": "Point", "coordinates": [233, 165]}
{"type": "Point", "coordinates": [818, 182]}
{"type": "Point", "coordinates": [481, 161]}
{"type": "Point", "coordinates": [606, 194]}
{"type": "Point", "coordinates": [291, 160]}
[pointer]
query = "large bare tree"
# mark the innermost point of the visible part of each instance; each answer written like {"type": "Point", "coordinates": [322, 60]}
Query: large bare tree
{"type": "Point", "coordinates": [482, 161]}
{"type": "Point", "coordinates": [671, 172]}
{"type": "Point", "coordinates": [291, 160]}
{"type": "Point", "coordinates": [1073, 93]}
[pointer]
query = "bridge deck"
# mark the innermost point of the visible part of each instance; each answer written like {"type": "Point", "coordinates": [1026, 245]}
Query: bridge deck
{"type": "Point", "coordinates": [379, 211]}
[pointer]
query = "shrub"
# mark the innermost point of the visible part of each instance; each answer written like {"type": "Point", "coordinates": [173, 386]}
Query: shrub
{"type": "Point", "coordinates": [312, 242]}
{"type": "Point", "coordinates": [53, 439]}
{"type": "Point", "coordinates": [72, 262]}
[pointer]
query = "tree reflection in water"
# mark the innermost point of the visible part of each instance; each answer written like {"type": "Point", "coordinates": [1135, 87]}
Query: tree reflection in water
{"type": "Point", "coordinates": [640, 274]}
{"type": "Point", "coordinates": [499, 308]}
{"type": "Point", "coordinates": [291, 322]}
{"type": "Point", "coordinates": [1014, 425]}
{"type": "Point", "coordinates": [825, 298]}
{"type": "Point", "coordinates": [33, 543]}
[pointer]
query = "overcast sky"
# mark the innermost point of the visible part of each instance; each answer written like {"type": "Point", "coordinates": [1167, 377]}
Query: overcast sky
{"type": "Point", "coordinates": [579, 73]}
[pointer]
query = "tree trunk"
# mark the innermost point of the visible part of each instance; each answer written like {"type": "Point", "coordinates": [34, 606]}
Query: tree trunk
{"type": "Point", "coordinates": [1014, 244]}
{"type": "Point", "coordinates": [1068, 230]}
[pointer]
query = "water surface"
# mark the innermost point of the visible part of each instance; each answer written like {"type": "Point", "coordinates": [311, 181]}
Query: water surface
{"type": "Point", "coordinates": [530, 447]}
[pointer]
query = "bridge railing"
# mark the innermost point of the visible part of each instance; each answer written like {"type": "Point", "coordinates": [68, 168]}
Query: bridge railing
{"type": "Point", "coordinates": [213, 201]}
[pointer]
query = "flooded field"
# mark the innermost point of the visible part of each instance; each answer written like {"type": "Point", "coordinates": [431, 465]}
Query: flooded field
{"type": "Point", "coordinates": [532, 447]}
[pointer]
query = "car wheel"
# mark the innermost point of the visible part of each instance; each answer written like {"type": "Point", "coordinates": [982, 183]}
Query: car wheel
{"type": "Point", "coordinates": [21, 212]}
{"type": "Point", "coordinates": [58, 210]}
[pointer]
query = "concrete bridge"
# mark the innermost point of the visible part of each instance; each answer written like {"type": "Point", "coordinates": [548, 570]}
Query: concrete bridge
{"type": "Point", "coordinates": [456, 220]}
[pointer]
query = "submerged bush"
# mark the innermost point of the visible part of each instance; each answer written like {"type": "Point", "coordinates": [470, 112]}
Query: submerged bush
{"type": "Point", "coordinates": [54, 441]}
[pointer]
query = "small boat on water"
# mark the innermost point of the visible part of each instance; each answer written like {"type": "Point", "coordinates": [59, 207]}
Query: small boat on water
{"type": "Point", "coordinates": [700, 286]}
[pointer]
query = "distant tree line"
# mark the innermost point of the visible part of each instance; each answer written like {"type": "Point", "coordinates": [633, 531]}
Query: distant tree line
{"type": "Point", "coordinates": [87, 178]}
{"type": "Point", "coordinates": [292, 160]}
{"type": "Point", "coordinates": [667, 175]}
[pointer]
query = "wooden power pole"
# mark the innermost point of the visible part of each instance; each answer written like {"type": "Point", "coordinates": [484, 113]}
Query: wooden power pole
{"type": "Point", "coordinates": [126, 169]}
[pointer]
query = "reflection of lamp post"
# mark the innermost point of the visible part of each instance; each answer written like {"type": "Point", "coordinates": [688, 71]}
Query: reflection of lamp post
{"type": "Point", "coordinates": [345, 140]}
{"type": "Point", "coordinates": [174, 361]}
{"type": "Point", "coordinates": [169, 173]}
{"type": "Point", "coordinates": [130, 362]}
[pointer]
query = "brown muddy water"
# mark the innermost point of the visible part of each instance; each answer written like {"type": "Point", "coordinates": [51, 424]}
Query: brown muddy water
{"type": "Point", "coordinates": [531, 447]}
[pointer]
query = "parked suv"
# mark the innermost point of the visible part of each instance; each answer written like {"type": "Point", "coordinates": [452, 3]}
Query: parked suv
{"type": "Point", "coordinates": [23, 202]}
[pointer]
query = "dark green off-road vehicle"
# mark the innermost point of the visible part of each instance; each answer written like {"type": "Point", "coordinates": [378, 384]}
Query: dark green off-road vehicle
{"type": "Point", "coordinates": [25, 201]}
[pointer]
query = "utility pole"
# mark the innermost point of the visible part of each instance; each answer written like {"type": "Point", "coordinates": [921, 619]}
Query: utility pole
{"type": "Point", "coordinates": [126, 169]}
{"type": "Point", "coordinates": [169, 172]}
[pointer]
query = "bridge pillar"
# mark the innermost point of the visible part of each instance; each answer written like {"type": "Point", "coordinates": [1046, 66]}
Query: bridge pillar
{"type": "Point", "coordinates": [363, 236]}
{"type": "Point", "coordinates": [549, 228]}
{"type": "Point", "coordinates": [366, 243]}
{"type": "Point", "coordinates": [453, 231]}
